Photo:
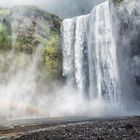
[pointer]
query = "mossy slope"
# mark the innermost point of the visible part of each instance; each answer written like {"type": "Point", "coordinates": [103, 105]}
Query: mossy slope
{"type": "Point", "coordinates": [24, 28]}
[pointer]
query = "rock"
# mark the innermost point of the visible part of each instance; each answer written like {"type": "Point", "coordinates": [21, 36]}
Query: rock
{"type": "Point", "coordinates": [128, 126]}
{"type": "Point", "coordinates": [100, 138]}
{"type": "Point", "coordinates": [24, 28]}
{"type": "Point", "coordinates": [32, 26]}
{"type": "Point", "coordinates": [89, 130]}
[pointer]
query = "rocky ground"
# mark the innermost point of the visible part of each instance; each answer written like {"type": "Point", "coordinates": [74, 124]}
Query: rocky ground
{"type": "Point", "coordinates": [92, 129]}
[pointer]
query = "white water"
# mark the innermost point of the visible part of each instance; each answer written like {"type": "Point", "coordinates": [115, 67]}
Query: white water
{"type": "Point", "coordinates": [92, 57]}
{"type": "Point", "coordinates": [93, 62]}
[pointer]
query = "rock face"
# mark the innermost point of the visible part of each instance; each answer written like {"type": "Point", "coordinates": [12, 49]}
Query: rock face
{"type": "Point", "coordinates": [24, 28]}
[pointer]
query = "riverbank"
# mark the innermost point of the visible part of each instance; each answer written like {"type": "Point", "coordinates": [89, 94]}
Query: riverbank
{"type": "Point", "coordinates": [90, 129]}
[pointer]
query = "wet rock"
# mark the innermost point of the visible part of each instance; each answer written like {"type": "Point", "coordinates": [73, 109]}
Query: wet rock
{"type": "Point", "coordinates": [128, 126]}
{"type": "Point", "coordinates": [115, 129]}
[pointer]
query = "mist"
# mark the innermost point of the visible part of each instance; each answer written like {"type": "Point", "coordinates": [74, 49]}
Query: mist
{"type": "Point", "coordinates": [62, 8]}
{"type": "Point", "coordinates": [23, 96]}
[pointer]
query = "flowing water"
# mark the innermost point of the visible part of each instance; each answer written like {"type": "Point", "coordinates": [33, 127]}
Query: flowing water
{"type": "Point", "coordinates": [94, 61]}
{"type": "Point", "coordinates": [89, 54]}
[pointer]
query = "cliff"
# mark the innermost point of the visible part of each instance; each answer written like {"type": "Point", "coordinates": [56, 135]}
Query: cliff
{"type": "Point", "coordinates": [24, 28]}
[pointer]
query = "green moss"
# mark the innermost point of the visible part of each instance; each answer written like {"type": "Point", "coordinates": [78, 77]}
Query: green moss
{"type": "Point", "coordinates": [42, 29]}
{"type": "Point", "coordinates": [5, 39]}
{"type": "Point", "coordinates": [53, 57]}
{"type": "Point", "coordinates": [40, 40]}
{"type": "Point", "coordinates": [29, 39]}
{"type": "Point", "coordinates": [22, 45]}
{"type": "Point", "coordinates": [26, 40]}
{"type": "Point", "coordinates": [54, 40]}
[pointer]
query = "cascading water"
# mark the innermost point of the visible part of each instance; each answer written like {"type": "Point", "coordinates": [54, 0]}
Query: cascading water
{"type": "Point", "coordinates": [90, 53]}
{"type": "Point", "coordinates": [104, 59]}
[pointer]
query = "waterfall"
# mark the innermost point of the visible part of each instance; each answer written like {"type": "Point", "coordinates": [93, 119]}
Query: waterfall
{"type": "Point", "coordinates": [89, 53]}
{"type": "Point", "coordinates": [68, 51]}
